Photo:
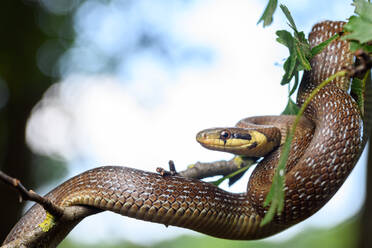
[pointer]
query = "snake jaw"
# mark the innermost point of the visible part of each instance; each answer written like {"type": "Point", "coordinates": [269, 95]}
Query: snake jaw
{"type": "Point", "coordinates": [238, 141]}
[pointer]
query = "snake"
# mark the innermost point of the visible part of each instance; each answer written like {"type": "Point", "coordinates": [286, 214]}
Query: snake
{"type": "Point", "coordinates": [326, 146]}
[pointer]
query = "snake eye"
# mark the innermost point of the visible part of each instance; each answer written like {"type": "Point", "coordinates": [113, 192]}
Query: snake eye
{"type": "Point", "coordinates": [225, 134]}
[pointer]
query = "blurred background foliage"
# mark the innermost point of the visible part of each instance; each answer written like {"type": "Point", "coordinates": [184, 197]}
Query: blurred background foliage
{"type": "Point", "coordinates": [342, 236]}
{"type": "Point", "coordinates": [46, 40]}
{"type": "Point", "coordinates": [22, 85]}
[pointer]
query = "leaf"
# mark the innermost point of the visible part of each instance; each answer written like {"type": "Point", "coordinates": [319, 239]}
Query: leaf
{"type": "Point", "coordinates": [294, 86]}
{"type": "Point", "coordinates": [219, 181]}
{"type": "Point", "coordinates": [267, 16]}
{"type": "Point", "coordinates": [291, 108]}
{"type": "Point", "coordinates": [243, 163]}
{"type": "Point", "coordinates": [363, 9]}
{"type": "Point", "coordinates": [289, 17]}
{"type": "Point", "coordinates": [289, 66]}
{"type": "Point", "coordinates": [285, 38]}
{"type": "Point", "coordinates": [299, 50]}
{"type": "Point", "coordinates": [302, 38]}
{"type": "Point", "coordinates": [359, 29]}
{"type": "Point", "coordinates": [275, 197]}
{"type": "Point", "coordinates": [317, 49]}
{"type": "Point", "coordinates": [302, 58]}
{"type": "Point", "coordinates": [357, 90]}
{"type": "Point", "coordinates": [354, 46]}
{"type": "Point", "coordinates": [358, 87]}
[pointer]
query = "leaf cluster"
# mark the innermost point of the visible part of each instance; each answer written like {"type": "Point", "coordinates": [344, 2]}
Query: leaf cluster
{"type": "Point", "coordinates": [359, 31]}
{"type": "Point", "coordinates": [359, 27]}
{"type": "Point", "coordinates": [299, 49]}
{"type": "Point", "coordinates": [300, 52]}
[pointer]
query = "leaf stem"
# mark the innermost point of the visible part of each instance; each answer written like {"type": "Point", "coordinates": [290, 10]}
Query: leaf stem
{"type": "Point", "coordinates": [276, 193]}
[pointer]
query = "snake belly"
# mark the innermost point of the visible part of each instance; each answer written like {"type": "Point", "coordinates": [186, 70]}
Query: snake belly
{"type": "Point", "coordinates": [320, 161]}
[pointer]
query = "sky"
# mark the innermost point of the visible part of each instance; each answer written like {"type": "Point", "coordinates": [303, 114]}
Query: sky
{"type": "Point", "coordinates": [221, 67]}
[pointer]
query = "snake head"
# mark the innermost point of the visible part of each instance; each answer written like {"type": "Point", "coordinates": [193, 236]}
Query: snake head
{"type": "Point", "coordinates": [239, 141]}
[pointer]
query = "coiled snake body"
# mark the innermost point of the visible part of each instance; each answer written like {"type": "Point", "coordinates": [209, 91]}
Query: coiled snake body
{"type": "Point", "coordinates": [325, 149]}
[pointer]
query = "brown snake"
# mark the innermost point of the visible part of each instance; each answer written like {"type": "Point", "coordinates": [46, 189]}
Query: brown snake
{"type": "Point", "coordinates": [323, 154]}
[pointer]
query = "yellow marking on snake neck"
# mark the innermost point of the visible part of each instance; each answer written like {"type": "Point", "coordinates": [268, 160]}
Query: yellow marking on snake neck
{"type": "Point", "coordinates": [257, 146]}
{"type": "Point", "coordinates": [48, 223]}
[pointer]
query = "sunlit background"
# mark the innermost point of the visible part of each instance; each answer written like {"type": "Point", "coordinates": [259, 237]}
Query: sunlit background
{"type": "Point", "coordinates": [140, 78]}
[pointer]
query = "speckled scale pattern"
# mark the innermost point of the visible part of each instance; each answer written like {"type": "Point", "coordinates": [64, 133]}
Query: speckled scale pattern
{"type": "Point", "coordinates": [149, 196]}
{"type": "Point", "coordinates": [276, 127]}
{"type": "Point", "coordinates": [321, 159]}
{"type": "Point", "coordinates": [260, 181]}
{"type": "Point", "coordinates": [336, 143]}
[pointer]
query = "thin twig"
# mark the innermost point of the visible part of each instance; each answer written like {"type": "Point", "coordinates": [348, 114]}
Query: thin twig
{"type": "Point", "coordinates": [201, 170]}
{"type": "Point", "coordinates": [31, 195]}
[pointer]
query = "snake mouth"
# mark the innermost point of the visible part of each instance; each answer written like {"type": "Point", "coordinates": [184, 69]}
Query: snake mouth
{"type": "Point", "coordinates": [235, 140]}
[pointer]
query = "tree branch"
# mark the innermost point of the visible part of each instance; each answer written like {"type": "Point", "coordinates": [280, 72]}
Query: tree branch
{"type": "Point", "coordinates": [31, 195]}
{"type": "Point", "coordinates": [201, 170]}
{"type": "Point", "coordinates": [231, 169]}
{"type": "Point", "coordinates": [68, 217]}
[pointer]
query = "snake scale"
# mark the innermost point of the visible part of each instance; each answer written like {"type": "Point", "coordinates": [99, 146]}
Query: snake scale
{"type": "Point", "coordinates": [326, 147]}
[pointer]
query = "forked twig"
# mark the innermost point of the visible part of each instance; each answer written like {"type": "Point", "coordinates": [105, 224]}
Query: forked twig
{"type": "Point", "coordinates": [31, 195]}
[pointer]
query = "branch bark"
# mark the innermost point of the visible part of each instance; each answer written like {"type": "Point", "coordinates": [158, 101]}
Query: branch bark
{"type": "Point", "coordinates": [201, 170]}
{"type": "Point", "coordinates": [31, 195]}
{"type": "Point", "coordinates": [68, 217]}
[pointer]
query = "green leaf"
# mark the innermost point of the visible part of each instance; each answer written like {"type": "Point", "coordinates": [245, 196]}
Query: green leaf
{"type": "Point", "coordinates": [267, 16]}
{"type": "Point", "coordinates": [289, 67]}
{"type": "Point", "coordinates": [275, 197]}
{"type": "Point", "coordinates": [219, 181]}
{"type": "Point", "coordinates": [354, 46]}
{"type": "Point", "coordinates": [285, 38]}
{"type": "Point", "coordinates": [302, 58]}
{"type": "Point", "coordinates": [291, 108]}
{"type": "Point", "coordinates": [289, 17]}
{"type": "Point", "coordinates": [295, 85]}
{"type": "Point", "coordinates": [363, 9]}
{"type": "Point", "coordinates": [299, 50]}
{"type": "Point", "coordinates": [302, 38]}
{"type": "Point", "coordinates": [358, 87]}
{"type": "Point", "coordinates": [358, 28]}
{"type": "Point", "coordinates": [357, 90]}
{"type": "Point", "coordinates": [303, 43]}
{"type": "Point", "coordinates": [317, 49]}
{"type": "Point", "coordinates": [243, 163]}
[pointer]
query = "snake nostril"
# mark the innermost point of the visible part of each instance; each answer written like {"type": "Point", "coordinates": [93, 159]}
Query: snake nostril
{"type": "Point", "coordinates": [201, 136]}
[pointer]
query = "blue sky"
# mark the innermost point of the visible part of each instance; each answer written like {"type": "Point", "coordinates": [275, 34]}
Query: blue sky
{"type": "Point", "coordinates": [208, 64]}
